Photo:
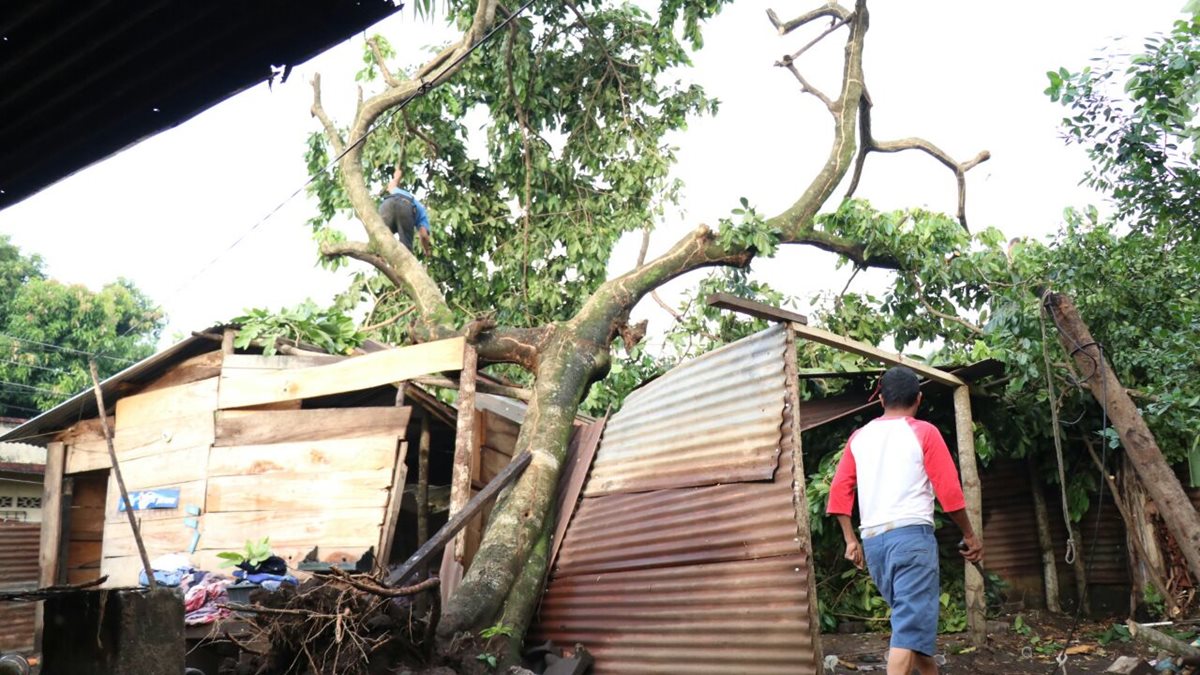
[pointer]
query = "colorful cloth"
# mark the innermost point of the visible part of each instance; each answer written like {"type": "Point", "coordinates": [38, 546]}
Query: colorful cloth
{"type": "Point", "coordinates": [201, 601]}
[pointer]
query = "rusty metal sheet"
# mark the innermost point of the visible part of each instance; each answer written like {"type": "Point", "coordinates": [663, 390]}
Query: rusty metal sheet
{"type": "Point", "coordinates": [748, 616]}
{"type": "Point", "coordinates": [714, 419]}
{"type": "Point", "coordinates": [580, 454]}
{"type": "Point", "coordinates": [19, 556]}
{"type": "Point", "coordinates": [691, 578]}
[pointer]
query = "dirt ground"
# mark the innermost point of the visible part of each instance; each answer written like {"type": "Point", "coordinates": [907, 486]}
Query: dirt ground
{"type": "Point", "coordinates": [1008, 652]}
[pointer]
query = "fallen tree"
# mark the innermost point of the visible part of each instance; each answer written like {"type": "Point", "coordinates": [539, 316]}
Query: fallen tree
{"type": "Point", "coordinates": [566, 356]}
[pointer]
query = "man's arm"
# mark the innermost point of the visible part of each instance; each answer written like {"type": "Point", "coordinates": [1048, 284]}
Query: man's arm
{"type": "Point", "coordinates": [423, 227]}
{"type": "Point", "coordinates": [841, 503]}
{"type": "Point", "coordinates": [395, 181]}
{"type": "Point", "coordinates": [974, 548]}
{"type": "Point", "coordinates": [944, 477]}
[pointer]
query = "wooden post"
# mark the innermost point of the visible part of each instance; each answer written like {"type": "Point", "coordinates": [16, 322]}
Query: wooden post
{"type": "Point", "coordinates": [1045, 542]}
{"type": "Point", "coordinates": [423, 483]}
{"type": "Point", "coordinates": [1140, 446]}
{"type": "Point", "coordinates": [964, 431]}
{"type": "Point", "coordinates": [460, 481]}
{"type": "Point", "coordinates": [52, 528]}
{"type": "Point", "coordinates": [227, 340]}
{"type": "Point", "coordinates": [799, 496]}
{"type": "Point", "coordinates": [116, 469]}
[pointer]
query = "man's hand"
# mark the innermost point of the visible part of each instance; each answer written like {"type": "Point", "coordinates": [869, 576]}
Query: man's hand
{"type": "Point", "coordinates": [854, 553]}
{"type": "Point", "coordinates": [971, 548]}
{"type": "Point", "coordinates": [426, 242]}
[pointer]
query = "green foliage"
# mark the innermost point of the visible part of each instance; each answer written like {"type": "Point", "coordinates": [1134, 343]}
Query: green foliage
{"type": "Point", "coordinates": [49, 328]}
{"type": "Point", "coordinates": [489, 660]}
{"type": "Point", "coordinates": [574, 152]}
{"type": "Point", "coordinates": [1117, 632]}
{"type": "Point", "coordinates": [255, 552]}
{"type": "Point", "coordinates": [1137, 121]}
{"type": "Point", "coordinates": [328, 328]}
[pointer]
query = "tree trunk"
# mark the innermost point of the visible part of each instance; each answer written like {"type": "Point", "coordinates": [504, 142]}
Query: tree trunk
{"type": "Point", "coordinates": [1045, 541]}
{"type": "Point", "coordinates": [1080, 565]}
{"type": "Point", "coordinates": [569, 363]}
{"type": "Point", "coordinates": [1156, 475]}
{"type": "Point", "coordinates": [964, 431]}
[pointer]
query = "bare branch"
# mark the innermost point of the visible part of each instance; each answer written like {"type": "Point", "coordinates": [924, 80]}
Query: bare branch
{"type": "Point", "coordinates": [377, 54]}
{"type": "Point", "coordinates": [831, 9]}
{"type": "Point", "coordinates": [950, 317]}
{"type": "Point", "coordinates": [806, 86]}
{"type": "Point", "coordinates": [641, 259]}
{"type": "Point", "coordinates": [318, 111]}
{"type": "Point", "coordinates": [869, 145]}
{"type": "Point", "coordinates": [360, 250]}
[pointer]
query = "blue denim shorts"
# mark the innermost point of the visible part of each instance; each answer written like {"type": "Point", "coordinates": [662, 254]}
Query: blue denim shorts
{"type": "Point", "coordinates": [904, 564]}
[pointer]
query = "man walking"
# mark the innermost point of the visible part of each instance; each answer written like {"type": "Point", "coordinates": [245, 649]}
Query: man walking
{"type": "Point", "coordinates": [898, 464]}
{"type": "Point", "coordinates": [404, 215]}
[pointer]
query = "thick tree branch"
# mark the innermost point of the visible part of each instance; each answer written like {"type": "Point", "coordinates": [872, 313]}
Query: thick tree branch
{"type": "Point", "coordinates": [869, 145]}
{"type": "Point", "coordinates": [318, 111]}
{"type": "Point", "coordinates": [377, 54]}
{"type": "Point", "coordinates": [831, 9]}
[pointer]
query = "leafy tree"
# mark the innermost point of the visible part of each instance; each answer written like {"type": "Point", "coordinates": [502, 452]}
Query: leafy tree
{"type": "Point", "coordinates": [575, 156]}
{"type": "Point", "coordinates": [48, 329]}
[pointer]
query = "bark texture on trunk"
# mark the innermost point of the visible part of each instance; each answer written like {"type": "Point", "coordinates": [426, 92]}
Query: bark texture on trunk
{"type": "Point", "coordinates": [964, 431]}
{"type": "Point", "coordinates": [1045, 541]}
{"type": "Point", "coordinates": [1156, 475]}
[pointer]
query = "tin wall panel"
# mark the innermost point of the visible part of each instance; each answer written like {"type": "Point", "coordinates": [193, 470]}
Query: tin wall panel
{"type": "Point", "coordinates": [705, 576]}
{"type": "Point", "coordinates": [19, 547]}
{"type": "Point", "coordinates": [711, 420]}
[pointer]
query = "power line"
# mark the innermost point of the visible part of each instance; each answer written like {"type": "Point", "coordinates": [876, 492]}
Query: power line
{"type": "Point", "coordinates": [33, 365]}
{"type": "Point", "coordinates": [30, 387]}
{"type": "Point", "coordinates": [425, 88]}
{"type": "Point", "coordinates": [65, 349]}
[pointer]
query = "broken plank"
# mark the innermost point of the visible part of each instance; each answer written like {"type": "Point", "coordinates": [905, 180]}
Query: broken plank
{"type": "Point", "coordinates": [754, 308]}
{"type": "Point", "coordinates": [853, 346]}
{"type": "Point", "coordinates": [241, 427]}
{"type": "Point", "coordinates": [460, 519]}
{"type": "Point", "coordinates": [166, 404]}
{"type": "Point", "coordinates": [288, 490]}
{"type": "Point", "coordinates": [197, 368]}
{"type": "Point", "coordinates": [304, 457]}
{"type": "Point", "coordinates": [352, 374]}
{"type": "Point", "coordinates": [229, 531]}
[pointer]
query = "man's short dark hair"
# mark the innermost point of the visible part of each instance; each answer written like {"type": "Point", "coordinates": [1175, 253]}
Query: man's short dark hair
{"type": "Point", "coordinates": [899, 387]}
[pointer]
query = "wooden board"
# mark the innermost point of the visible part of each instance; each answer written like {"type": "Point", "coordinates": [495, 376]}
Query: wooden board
{"type": "Point", "coordinates": [288, 490]}
{"type": "Point", "coordinates": [229, 531]}
{"type": "Point", "coordinates": [327, 458]}
{"type": "Point", "coordinates": [199, 367]}
{"type": "Point", "coordinates": [853, 346]}
{"type": "Point", "coordinates": [163, 469]}
{"type": "Point", "coordinates": [159, 536]}
{"type": "Point", "coordinates": [258, 362]}
{"type": "Point", "coordinates": [156, 437]}
{"type": "Point", "coordinates": [190, 493]}
{"type": "Point", "coordinates": [166, 404]}
{"type": "Point", "coordinates": [352, 374]}
{"type": "Point", "coordinates": [52, 525]}
{"type": "Point", "coordinates": [242, 427]}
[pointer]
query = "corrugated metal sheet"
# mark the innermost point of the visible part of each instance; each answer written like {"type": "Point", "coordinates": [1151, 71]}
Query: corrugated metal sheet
{"type": "Point", "coordinates": [690, 579]}
{"type": "Point", "coordinates": [19, 546]}
{"type": "Point", "coordinates": [712, 420]}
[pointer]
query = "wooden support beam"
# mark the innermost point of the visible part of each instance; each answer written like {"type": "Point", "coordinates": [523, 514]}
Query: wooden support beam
{"type": "Point", "coordinates": [863, 349]}
{"type": "Point", "coordinates": [352, 374]}
{"type": "Point", "coordinates": [383, 554]}
{"type": "Point", "coordinates": [481, 386]}
{"type": "Point", "coordinates": [964, 431]}
{"type": "Point", "coordinates": [755, 309]}
{"type": "Point", "coordinates": [460, 480]}
{"type": "Point", "coordinates": [52, 525]}
{"type": "Point", "coordinates": [460, 520]}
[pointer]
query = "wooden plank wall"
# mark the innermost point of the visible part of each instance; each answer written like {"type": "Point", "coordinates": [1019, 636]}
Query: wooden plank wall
{"type": "Point", "coordinates": [304, 478]}
{"type": "Point", "coordinates": [85, 527]}
{"type": "Point", "coordinates": [162, 439]}
{"type": "Point", "coordinates": [497, 439]}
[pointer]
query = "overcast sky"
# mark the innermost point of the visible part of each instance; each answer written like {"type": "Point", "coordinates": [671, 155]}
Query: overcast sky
{"type": "Point", "coordinates": [182, 214]}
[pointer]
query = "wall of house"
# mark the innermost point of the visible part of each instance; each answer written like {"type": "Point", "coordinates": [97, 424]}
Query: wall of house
{"type": "Point", "coordinates": [21, 498]}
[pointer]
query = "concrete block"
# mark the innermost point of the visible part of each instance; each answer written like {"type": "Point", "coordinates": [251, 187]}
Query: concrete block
{"type": "Point", "coordinates": [114, 632]}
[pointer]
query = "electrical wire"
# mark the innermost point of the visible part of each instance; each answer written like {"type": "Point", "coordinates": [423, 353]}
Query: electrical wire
{"type": "Point", "coordinates": [34, 366]}
{"type": "Point", "coordinates": [66, 349]}
{"type": "Point", "coordinates": [421, 91]}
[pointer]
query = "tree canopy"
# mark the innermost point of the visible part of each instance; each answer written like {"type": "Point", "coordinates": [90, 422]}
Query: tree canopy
{"type": "Point", "coordinates": [49, 329]}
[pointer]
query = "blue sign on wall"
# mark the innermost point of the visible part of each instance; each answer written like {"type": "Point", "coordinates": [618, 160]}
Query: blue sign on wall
{"type": "Point", "coordinates": [143, 500]}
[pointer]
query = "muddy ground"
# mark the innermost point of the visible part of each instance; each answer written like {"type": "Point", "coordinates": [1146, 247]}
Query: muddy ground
{"type": "Point", "coordinates": [1030, 651]}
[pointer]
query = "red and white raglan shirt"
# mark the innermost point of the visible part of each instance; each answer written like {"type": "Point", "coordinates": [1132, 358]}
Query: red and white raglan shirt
{"type": "Point", "coordinates": [898, 464]}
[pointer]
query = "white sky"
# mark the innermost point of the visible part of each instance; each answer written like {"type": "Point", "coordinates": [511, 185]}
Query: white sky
{"type": "Point", "coordinates": [966, 75]}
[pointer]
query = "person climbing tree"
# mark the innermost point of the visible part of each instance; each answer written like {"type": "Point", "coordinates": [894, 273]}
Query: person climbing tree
{"type": "Point", "coordinates": [405, 215]}
{"type": "Point", "coordinates": [898, 464]}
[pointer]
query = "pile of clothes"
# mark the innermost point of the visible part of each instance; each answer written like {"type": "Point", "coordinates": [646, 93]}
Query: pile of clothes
{"type": "Point", "coordinates": [204, 593]}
